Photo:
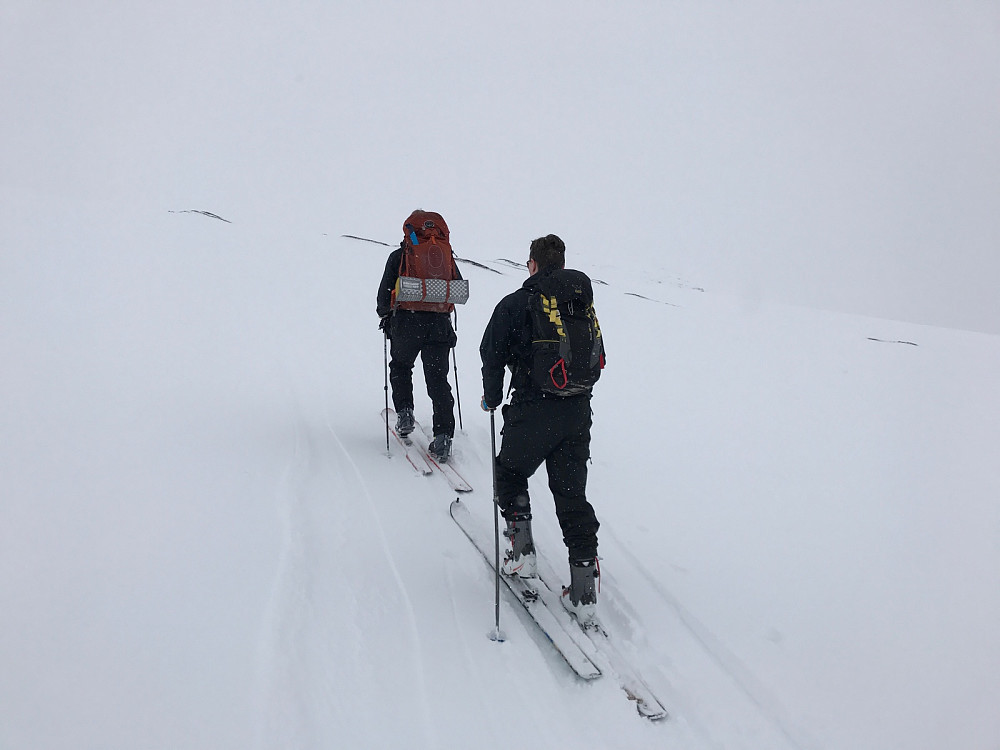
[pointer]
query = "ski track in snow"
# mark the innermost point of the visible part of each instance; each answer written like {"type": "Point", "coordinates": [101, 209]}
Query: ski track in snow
{"type": "Point", "coordinates": [283, 621]}
{"type": "Point", "coordinates": [411, 618]}
{"type": "Point", "coordinates": [293, 640]}
{"type": "Point", "coordinates": [739, 675]}
{"type": "Point", "coordinates": [472, 665]}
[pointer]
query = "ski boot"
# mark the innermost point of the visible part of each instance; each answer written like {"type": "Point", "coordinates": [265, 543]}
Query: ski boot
{"type": "Point", "coordinates": [520, 559]}
{"type": "Point", "coordinates": [440, 448]}
{"type": "Point", "coordinates": [580, 597]}
{"type": "Point", "coordinates": [404, 422]}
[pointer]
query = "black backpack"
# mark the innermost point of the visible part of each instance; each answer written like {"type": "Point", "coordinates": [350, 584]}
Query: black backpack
{"type": "Point", "coordinates": [567, 350]}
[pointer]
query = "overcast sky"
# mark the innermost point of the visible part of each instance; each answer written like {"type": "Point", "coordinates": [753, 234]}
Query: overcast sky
{"type": "Point", "coordinates": [843, 155]}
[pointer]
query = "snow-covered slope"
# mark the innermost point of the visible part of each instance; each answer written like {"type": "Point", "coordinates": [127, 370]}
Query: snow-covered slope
{"type": "Point", "coordinates": [205, 545]}
{"type": "Point", "coordinates": [202, 541]}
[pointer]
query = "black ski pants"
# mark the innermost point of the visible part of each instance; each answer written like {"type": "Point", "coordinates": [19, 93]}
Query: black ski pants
{"type": "Point", "coordinates": [431, 336]}
{"type": "Point", "coordinates": [556, 432]}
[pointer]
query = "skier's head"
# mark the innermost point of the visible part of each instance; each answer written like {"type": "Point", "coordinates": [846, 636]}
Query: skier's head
{"type": "Point", "coordinates": [547, 252]}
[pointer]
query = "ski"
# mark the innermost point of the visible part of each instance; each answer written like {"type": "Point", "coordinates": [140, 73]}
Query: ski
{"type": "Point", "coordinates": [412, 453]}
{"type": "Point", "coordinates": [421, 439]}
{"type": "Point", "coordinates": [595, 641]}
{"type": "Point", "coordinates": [415, 447]}
{"type": "Point", "coordinates": [550, 621]}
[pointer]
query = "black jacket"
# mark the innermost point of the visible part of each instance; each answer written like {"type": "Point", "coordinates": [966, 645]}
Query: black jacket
{"type": "Point", "coordinates": [507, 340]}
{"type": "Point", "coordinates": [383, 304]}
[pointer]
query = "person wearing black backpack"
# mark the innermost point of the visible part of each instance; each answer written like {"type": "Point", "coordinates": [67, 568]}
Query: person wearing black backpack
{"type": "Point", "coordinates": [418, 322]}
{"type": "Point", "coordinates": [546, 333]}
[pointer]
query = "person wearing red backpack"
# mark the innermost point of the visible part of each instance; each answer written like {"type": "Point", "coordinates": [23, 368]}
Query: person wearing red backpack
{"type": "Point", "coordinates": [417, 323]}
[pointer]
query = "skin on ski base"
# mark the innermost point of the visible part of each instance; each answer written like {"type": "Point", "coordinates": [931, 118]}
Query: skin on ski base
{"type": "Point", "coordinates": [412, 453]}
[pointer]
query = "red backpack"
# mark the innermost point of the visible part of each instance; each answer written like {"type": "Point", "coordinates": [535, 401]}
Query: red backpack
{"type": "Point", "coordinates": [427, 269]}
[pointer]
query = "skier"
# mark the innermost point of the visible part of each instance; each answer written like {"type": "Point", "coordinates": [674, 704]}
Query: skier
{"type": "Point", "coordinates": [422, 328]}
{"type": "Point", "coordinates": [541, 426]}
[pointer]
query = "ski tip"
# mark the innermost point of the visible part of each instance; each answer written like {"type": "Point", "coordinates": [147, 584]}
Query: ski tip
{"type": "Point", "coordinates": [647, 708]}
{"type": "Point", "coordinates": [652, 715]}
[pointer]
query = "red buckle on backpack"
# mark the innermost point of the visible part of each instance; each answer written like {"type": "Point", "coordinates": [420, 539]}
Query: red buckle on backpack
{"type": "Point", "coordinates": [560, 365]}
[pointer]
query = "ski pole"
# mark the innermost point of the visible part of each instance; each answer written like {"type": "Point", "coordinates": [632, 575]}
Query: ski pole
{"type": "Point", "coordinates": [458, 393]}
{"type": "Point", "coordinates": [385, 357]}
{"type": "Point", "coordinates": [497, 636]}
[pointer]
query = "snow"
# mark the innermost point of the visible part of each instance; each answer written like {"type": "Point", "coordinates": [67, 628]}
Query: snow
{"type": "Point", "coordinates": [203, 542]}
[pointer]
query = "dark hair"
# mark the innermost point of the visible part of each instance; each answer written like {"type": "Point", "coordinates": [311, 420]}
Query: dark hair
{"type": "Point", "coordinates": [548, 252]}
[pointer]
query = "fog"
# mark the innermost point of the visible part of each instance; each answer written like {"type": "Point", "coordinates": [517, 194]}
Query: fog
{"type": "Point", "coordinates": [841, 156]}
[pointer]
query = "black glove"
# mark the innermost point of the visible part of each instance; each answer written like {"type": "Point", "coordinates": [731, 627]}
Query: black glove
{"type": "Point", "coordinates": [383, 324]}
